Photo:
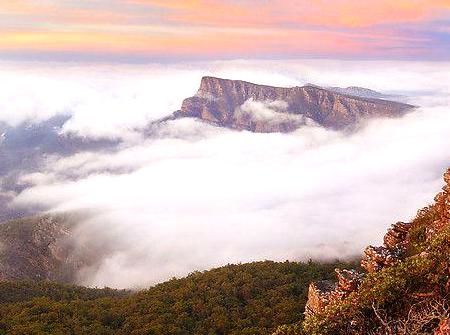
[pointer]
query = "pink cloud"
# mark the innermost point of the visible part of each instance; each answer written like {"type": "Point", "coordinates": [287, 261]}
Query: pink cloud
{"type": "Point", "coordinates": [213, 28]}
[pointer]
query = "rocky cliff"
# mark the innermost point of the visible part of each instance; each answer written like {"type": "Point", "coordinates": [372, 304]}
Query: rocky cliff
{"type": "Point", "coordinates": [37, 248]}
{"type": "Point", "coordinates": [242, 105]}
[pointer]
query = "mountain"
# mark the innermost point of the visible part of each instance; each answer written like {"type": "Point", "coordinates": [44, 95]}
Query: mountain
{"type": "Point", "coordinates": [359, 92]}
{"type": "Point", "coordinates": [242, 105]}
{"type": "Point", "coordinates": [404, 288]}
{"type": "Point", "coordinates": [243, 299]}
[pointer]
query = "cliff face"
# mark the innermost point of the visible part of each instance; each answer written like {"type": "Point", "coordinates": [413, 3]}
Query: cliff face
{"type": "Point", "coordinates": [259, 108]}
{"type": "Point", "coordinates": [36, 249]}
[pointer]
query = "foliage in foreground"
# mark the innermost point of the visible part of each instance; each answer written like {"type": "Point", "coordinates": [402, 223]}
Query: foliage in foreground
{"type": "Point", "coordinates": [411, 297]}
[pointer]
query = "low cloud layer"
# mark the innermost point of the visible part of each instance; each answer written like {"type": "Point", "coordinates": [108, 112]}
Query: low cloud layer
{"type": "Point", "coordinates": [270, 112]}
{"type": "Point", "coordinates": [192, 196]}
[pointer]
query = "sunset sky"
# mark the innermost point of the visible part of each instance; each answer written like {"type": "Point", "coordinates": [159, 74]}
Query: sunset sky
{"type": "Point", "coordinates": [156, 30]}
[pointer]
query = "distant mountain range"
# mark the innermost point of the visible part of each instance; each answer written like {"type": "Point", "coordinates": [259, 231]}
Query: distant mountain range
{"type": "Point", "coordinates": [357, 91]}
{"type": "Point", "coordinates": [239, 104]}
{"type": "Point", "coordinates": [360, 92]}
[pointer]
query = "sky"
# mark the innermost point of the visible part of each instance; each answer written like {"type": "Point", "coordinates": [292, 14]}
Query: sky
{"type": "Point", "coordinates": [174, 30]}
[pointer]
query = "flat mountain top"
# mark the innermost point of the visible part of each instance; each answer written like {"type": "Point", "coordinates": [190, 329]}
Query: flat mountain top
{"type": "Point", "coordinates": [243, 105]}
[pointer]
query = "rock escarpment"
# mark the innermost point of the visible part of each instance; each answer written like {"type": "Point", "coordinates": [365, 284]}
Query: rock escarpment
{"type": "Point", "coordinates": [242, 105]}
{"type": "Point", "coordinates": [395, 248]}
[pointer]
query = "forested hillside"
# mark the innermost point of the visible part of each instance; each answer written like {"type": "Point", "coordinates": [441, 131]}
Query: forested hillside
{"type": "Point", "coordinates": [252, 298]}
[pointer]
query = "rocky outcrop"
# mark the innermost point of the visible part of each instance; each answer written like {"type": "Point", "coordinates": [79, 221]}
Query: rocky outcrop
{"type": "Point", "coordinates": [242, 105]}
{"type": "Point", "coordinates": [376, 258]}
{"type": "Point", "coordinates": [322, 293]}
{"type": "Point", "coordinates": [348, 280]}
{"type": "Point", "coordinates": [395, 244]}
{"type": "Point", "coordinates": [319, 295]}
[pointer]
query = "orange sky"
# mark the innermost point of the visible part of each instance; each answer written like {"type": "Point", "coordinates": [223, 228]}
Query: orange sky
{"type": "Point", "coordinates": [178, 29]}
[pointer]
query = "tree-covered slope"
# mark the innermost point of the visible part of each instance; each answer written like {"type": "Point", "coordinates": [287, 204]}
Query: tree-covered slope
{"type": "Point", "coordinates": [251, 298]}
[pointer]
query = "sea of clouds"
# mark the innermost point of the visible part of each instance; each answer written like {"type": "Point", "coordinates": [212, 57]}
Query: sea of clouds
{"type": "Point", "coordinates": [191, 196]}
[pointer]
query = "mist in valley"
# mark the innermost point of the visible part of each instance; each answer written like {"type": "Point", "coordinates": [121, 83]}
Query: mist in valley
{"type": "Point", "coordinates": [183, 195]}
